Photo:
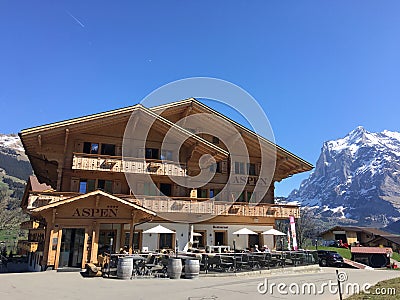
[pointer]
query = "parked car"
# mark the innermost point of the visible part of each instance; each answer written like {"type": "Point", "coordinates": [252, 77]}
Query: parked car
{"type": "Point", "coordinates": [329, 258]}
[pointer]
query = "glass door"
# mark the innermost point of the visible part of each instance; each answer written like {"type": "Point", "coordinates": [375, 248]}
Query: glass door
{"type": "Point", "coordinates": [71, 252]}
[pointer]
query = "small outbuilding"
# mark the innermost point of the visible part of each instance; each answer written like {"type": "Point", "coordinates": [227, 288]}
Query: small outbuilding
{"type": "Point", "coordinates": [376, 257]}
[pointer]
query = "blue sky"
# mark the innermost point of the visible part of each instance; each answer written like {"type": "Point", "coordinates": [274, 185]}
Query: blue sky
{"type": "Point", "coordinates": [318, 68]}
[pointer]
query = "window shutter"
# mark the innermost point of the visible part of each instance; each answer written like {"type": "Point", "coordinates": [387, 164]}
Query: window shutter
{"type": "Point", "coordinates": [224, 166]}
{"type": "Point", "coordinates": [117, 187]}
{"type": "Point", "coordinates": [74, 184]}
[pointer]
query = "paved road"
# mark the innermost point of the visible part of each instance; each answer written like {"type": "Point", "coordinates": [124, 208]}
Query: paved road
{"type": "Point", "coordinates": [53, 285]}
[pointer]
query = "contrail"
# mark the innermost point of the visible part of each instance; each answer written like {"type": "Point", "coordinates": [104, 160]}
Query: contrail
{"type": "Point", "coordinates": [77, 21]}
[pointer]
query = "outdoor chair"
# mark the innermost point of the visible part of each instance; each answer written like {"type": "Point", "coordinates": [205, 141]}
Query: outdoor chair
{"type": "Point", "coordinates": [225, 263]}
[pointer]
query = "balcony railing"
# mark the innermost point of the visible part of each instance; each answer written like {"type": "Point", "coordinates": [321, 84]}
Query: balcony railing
{"type": "Point", "coordinates": [95, 162]}
{"type": "Point", "coordinates": [29, 225]}
{"type": "Point", "coordinates": [215, 208]}
{"type": "Point", "coordinates": [27, 246]}
{"type": "Point", "coordinates": [162, 204]}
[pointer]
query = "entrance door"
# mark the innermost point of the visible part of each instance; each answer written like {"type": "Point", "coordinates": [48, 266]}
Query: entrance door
{"type": "Point", "coordinates": [71, 252]}
{"type": "Point", "coordinates": [219, 238]}
{"type": "Point", "coordinates": [254, 239]}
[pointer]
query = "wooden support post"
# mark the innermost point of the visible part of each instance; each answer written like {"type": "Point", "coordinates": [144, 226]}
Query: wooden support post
{"type": "Point", "coordinates": [95, 242]}
{"type": "Point", "coordinates": [133, 214]}
{"type": "Point", "coordinates": [131, 237]}
{"type": "Point", "coordinates": [121, 236]}
{"type": "Point", "coordinates": [57, 254]}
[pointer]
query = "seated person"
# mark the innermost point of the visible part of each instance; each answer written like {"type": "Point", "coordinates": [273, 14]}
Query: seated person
{"type": "Point", "coordinates": [266, 249]}
{"type": "Point", "coordinates": [256, 249]}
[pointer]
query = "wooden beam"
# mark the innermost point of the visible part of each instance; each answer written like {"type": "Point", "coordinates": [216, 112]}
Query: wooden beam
{"type": "Point", "coordinates": [62, 161]}
{"type": "Point", "coordinates": [39, 138]}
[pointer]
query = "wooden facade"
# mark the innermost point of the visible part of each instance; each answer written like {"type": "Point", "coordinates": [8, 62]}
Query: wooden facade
{"type": "Point", "coordinates": [82, 160]}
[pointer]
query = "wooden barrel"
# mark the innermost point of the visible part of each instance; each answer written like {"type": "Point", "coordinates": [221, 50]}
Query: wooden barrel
{"type": "Point", "coordinates": [125, 267]}
{"type": "Point", "coordinates": [174, 268]}
{"type": "Point", "coordinates": [192, 268]}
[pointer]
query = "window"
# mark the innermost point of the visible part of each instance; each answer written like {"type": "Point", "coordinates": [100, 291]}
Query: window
{"type": "Point", "coordinates": [216, 167]}
{"type": "Point", "coordinates": [214, 193]}
{"type": "Point", "coordinates": [90, 148]}
{"type": "Point", "coordinates": [251, 169]}
{"type": "Point", "coordinates": [215, 140]}
{"type": "Point", "coordinates": [136, 240]}
{"type": "Point", "coordinates": [165, 241]}
{"type": "Point", "coordinates": [89, 185]}
{"type": "Point", "coordinates": [105, 185]}
{"type": "Point", "coordinates": [152, 153]}
{"type": "Point", "coordinates": [239, 168]}
{"type": "Point", "coordinates": [86, 185]}
{"type": "Point", "coordinates": [241, 197]}
{"type": "Point", "coordinates": [166, 189]}
{"type": "Point", "coordinates": [249, 194]}
{"type": "Point", "coordinates": [166, 155]}
{"type": "Point", "coordinates": [201, 193]}
{"type": "Point", "coordinates": [108, 149]}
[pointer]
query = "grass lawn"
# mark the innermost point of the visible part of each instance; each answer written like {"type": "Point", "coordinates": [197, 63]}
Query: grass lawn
{"type": "Point", "coordinates": [342, 251]}
{"type": "Point", "coordinates": [389, 287]}
{"type": "Point", "coordinates": [396, 256]}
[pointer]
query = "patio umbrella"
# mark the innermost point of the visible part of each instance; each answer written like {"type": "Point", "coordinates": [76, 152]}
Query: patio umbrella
{"type": "Point", "coordinates": [274, 232]}
{"type": "Point", "coordinates": [245, 231]}
{"type": "Point", "coordinates": [158, 229]}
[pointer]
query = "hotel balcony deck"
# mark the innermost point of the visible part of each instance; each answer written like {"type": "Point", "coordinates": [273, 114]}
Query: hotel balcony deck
{"type": "Point", "coordinates": [162, 204]}
{"type": "Point", "coordinates": [106, 163]}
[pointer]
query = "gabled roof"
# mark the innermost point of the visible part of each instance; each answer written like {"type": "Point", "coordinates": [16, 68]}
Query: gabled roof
{"type": "Point", "coordinates": [82, 121]}
{"type": "Point", "coordinates": [392, 238]}
{"type": "Point", "coordinates": [91, 194]}
{"type": "Point", "coordinates": [370, 230]}
{"type": "Point", "coordinates": [30, 137]}
{"type": "Point", "coordinates": [201, 107]}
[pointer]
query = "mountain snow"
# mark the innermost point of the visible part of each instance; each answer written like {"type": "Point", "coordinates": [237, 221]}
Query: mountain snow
{"type": "Point", "coordinates": [356, 177]}
{"type": "Point", "coordinates": [11, 141]}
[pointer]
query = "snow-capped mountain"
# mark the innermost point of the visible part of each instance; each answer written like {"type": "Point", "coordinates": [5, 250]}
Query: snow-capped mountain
{"type": "Point", "coordinates": [13, 161]}
{"type": "Point", "coordinates": [10, 144]}
{"type": "Point", "coordinates": [356, 177]}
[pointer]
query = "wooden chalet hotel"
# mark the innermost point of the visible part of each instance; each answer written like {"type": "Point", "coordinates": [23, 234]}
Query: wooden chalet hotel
{"type": "Point", "coordinates": [81, 203]}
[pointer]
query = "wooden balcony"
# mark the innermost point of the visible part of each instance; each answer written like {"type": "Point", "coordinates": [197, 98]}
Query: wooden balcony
{"type": "Point", "coordinates": [27, 246]}
{"type": "Point", "coordinates": [162, 204]}
{"type": "Point", "coordinates": [29, 225]}
{"type": "Point", "coordinates": [106, 163]}
{"type": "Point", "coordinates": [38, 199]}
{"type": "Point", "coordinates": [215, 208]}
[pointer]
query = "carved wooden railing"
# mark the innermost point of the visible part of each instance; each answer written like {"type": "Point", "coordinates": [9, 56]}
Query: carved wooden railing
{"type": "Point", "coordinates": [96, 162]}
{"type": "Point", "coordinates": [206, 206]}
{"type": "Point", "coordinates": [162, 204]}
